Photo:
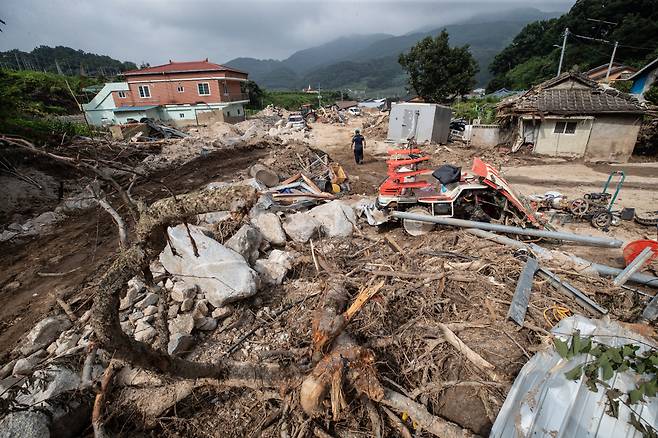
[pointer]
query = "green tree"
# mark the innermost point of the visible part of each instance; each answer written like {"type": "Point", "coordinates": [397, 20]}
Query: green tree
{"type": "Point", "coordinates": [255, 94]}
{"type": "Point", "coordinates": [438, 72]}
{"type": "Point", "coordinates": [651, 95]}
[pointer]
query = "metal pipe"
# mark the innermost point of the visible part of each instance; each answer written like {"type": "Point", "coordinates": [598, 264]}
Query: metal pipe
{"type": "Point", "coordinates": [634, 266]}
{"type": "Point", "coordinates": [567, 287]}
{"type": "Point", "coordinates": [558, 235]}
{"type": "Point", "coordinates": [543, 253]}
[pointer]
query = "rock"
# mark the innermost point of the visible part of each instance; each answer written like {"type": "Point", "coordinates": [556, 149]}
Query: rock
{"type": "Point", "coordinates": [135, 316]}
{"type": "Point", "coordinates": [221, 273]}
{"type": "Point", "coordinates": [182, 291]}
{"type": "Point", "coordinates": [205, 323]}
{"type": "Point", "coordinates": [150, 300]}
{"type": "Point", "coordinates": [25, 424]}
{"type": "Point", "coordinates": [44, 333]}
{"type": "Point", "coordinates": [201, 308]}
{"type": "Point", "coordinates": [66, 341]}
{"type": "Point", "coordinates": [173, 310]}
{"type": "Point", "coordinates": [180, 343]}
{"type": "Point", "coordinates": [135, 288]}
{"type": "Point", "coordinates": [246, 242]}
{"type": "Point", "coordinates": [25, 366]}
{"type": "Point", "coordinates": [270, 228]}
{"type": "Point", "coordinates": [59, 379]}
{"type": "Point", "coordinates": [274, 269]}
{"type": "Point", "coordinates": [300, 227]}
{"type": "Point", "coordinates": [181, 324]}
{"type": "Point", "coordinates": [127, 301]}
{"type": "Point", "coordinates": [150, 310]}
{"type": "Point", "coordinates": [336, 218]}
{"type": "Point", "coordinates": [144, 332]}
{"type": "Point", "coordinates": [221, 313]}
{"type": "Point", "coordinates": [168, 284]}
{"type": "Point", "coordinates": [127, 327]}
{"type": "Point", "coordinates": [187, 305]}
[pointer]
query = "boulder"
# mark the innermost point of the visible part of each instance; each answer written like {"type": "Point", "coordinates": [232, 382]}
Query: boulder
{"type": "Point", "coordinates": [58, 379]}
{"type": "Point", "coordinates": [25, 366]}
{"type": "Point", "coordinates": [25, 424]}
{"type": "Point", "coordinates": [181, 324]}
{"type": "Point", "coordinates": [187, 305]}
{"type": "Point", "coordinates": [182, 291]}
{"type": "Point", "coordinates": [173, 310]}
{"type": "Point", "coordinates": [144, 332]}
{"type": "Point", "coordinates": [269, 226]}
{"type": "Point", "coordinates": [336, 218]}
{"type": "Point", "coordinates": [150, 299]}
{"type": "Point", "coordinates": [44, 333]}
{"type": "Point", "coordinates": [300, 227]}
{"type": "Point", "coordinates": [180, 343]}
{"type": "Point", "coordinates": [246, 242]}
{"type": "Point", "coordinates": [274, 269]}
{"type": "Point", "coordinates": [150, 310]}
{"type": "Point", "coordinates": [66, 341]}
{"type": "Point", "coordinates": [221, 273]}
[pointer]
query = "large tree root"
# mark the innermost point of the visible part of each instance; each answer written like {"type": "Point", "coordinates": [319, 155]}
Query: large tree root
{"type": "Point", "coordinates": [150, 241]}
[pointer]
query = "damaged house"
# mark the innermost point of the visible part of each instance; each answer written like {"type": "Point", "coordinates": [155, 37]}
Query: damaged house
{"type": "Point", "coordinates": [179, 93]}
{"type": "Point", "coordinates": [572, 116]}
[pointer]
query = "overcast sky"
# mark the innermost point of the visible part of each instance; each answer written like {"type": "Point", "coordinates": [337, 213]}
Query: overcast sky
{"type": "Point", "coordinates": [156, 31]}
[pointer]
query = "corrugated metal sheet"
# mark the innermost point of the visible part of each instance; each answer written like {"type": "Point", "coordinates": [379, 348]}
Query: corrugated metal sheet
{"type": "Point", "coordinates": [543, 403]}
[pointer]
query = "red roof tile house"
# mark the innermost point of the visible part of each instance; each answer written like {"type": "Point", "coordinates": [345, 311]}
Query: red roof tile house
{"type": "Point", "coordinates": [181, 93]}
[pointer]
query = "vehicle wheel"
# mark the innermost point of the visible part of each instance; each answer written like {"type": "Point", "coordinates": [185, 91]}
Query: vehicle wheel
{"type": "Point", "coordinates": [579, 207]}
{"type": "Point", "coordinates": [417, 228]}
{"type": "Point", "coordinates": [602, 219]}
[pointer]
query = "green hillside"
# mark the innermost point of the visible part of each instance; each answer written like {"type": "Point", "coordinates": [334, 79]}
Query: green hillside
{"type": "Point", "coordinates": [64, 60]}
{"type": "Point", "coordinates": [532, 56]}
{"type": "Point", "coordinates": [369, 62]}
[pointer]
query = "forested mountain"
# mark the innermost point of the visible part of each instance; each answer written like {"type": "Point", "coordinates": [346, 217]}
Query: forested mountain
{"type": "Point", "coordinates": [370, 61]}
{"type": "Point", "coordinates": [64, 60]}
{"type": "Point", "coordinates": [533, 57]}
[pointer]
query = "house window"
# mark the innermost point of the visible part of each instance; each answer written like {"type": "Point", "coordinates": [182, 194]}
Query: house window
{"type": "Point", "coordinates": [225, 89]}
{"type": "Point", "coordinates": [180, 89]}
{"type": "Point", "coordinates": [144, 91]}
{"type": "Point", "coordinates": [204, 89]}
{"type": "Point", "coordinates": [122, 94]}
{"type": "Point", "coordinates": [238, 111]}
{"type": "Point", "coordinates": [181, 115]}
{"type": "Point", "coordinates": [565, 127]}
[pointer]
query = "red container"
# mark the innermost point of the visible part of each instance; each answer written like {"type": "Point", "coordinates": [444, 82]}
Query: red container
{"type": "Point", "coordinates": [634, 248]}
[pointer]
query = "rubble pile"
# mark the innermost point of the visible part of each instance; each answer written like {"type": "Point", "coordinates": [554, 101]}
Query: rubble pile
{"type": "Point", "coordinates": [375, 126]}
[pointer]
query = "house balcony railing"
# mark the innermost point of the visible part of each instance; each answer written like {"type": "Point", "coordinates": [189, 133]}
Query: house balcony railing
{"type": "Point", "coordinates": [233, 97]}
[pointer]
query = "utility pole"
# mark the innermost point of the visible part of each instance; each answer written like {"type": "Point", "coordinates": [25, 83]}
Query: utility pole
{"type": "Point", "coordinates": [319, 98]}
{"type": "Point", "coordinates": [564, 47]}
{"type": "Point", "coordinates": [612, 60]}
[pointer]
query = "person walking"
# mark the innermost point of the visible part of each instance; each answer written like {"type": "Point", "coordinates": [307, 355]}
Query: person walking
{"type": "Point", "coordinates": [358, 144]}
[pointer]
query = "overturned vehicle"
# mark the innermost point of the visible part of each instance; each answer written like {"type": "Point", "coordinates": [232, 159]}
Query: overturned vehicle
{"type": "Point", "coordinates": [480, 194]}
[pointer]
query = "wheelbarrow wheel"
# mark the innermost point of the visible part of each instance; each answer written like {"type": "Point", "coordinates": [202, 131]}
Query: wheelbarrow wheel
{"type": "Point", "coordinates": [579, 207]}
{"type": "Point", "coordinates": [602, 219]}
{"type": "Point", "coordinates": [417, 228]}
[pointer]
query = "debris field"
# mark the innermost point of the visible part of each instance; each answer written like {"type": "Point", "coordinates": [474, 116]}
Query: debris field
{"type": "Point", "coordinates": [181, 291]}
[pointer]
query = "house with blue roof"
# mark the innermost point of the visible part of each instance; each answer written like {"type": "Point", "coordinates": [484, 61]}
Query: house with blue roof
{"type": "Point", "coordinates": [644, 79]}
